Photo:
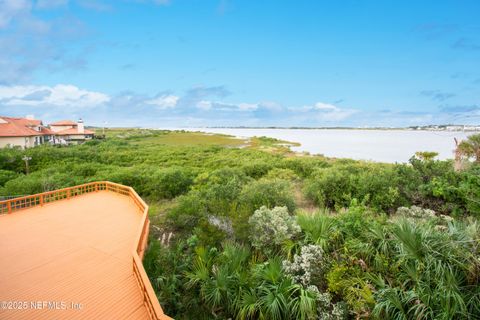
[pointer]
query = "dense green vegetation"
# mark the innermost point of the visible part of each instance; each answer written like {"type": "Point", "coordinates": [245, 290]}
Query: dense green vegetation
{"type": "Point", "coordinates": [260, 233]}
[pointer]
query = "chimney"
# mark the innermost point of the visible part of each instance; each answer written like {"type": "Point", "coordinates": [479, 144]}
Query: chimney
{"type": "Point", "coordinates": [81, 128]}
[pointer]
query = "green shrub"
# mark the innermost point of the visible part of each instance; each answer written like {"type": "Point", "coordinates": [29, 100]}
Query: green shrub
{"type": "Point", "coordinates": [189, 210]}
{"type": "Point", "coordinates": [350, 283]}
{"type": "Point", "coordinates": [221, 189]}
{"type": "Point", "coordinates": [374, 185]}
{"type": "Point", "coordinates": [469, 189]}
{"type": "Point", "coordinates": [282, 174]}
{"type": "Point", "coordinates": [11, 159]}
{"type": "Point", "coordinates": [269, 193]}
{"type": "Point", "coordinates": [304, 166]}
{"type": "Point", "coordinates": [209, 235]}
{"type": "Point", "coordinates": [130, 176]}
{"type": "Point", "coordinates": [167, 183]}
{"type": "Point", "coordinates": [6, 175]}
{"type": "Point", "coordinates": [38, 182]}
{"type": "Point", "coordinates": [330, 187]}
{"type": "Point", "coordinates": [257, 169]}
{"type": "Point", "coordinates": [354, 221]}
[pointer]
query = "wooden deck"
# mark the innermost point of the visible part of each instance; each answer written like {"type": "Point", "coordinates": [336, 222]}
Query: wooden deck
{"type": "Point", "coordinates": [72, 259]}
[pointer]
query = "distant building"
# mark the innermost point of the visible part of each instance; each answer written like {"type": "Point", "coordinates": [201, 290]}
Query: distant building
{"type": "Point", "coordinates": [23, 132]}
{"type": "Point", "coordinates": [67, 131]}
{"type": "Point", "coordinates": [454, 128]}
{"type": "Point", "coordinates": [471, 128]}
{"type": "Point", "coordinates": [29, 132]}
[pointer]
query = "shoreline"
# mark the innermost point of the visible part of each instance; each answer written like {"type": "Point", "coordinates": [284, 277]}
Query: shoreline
{"type": "Point", "coordinates": [385, 146]}
{"type": "Point", "coordinates": [382, 146]}
{"type": "Point", "coordinates": [328, 128]}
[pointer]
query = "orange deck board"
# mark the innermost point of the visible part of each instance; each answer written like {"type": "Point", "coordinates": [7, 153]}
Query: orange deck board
{"type": "Point", "coordinates": [76, 251]}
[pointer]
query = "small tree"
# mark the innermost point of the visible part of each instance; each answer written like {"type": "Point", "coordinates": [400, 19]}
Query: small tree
{"type": "Point", "coordinates": [470, 147]}
{"type": "Point", "coordinates": [426, 155]}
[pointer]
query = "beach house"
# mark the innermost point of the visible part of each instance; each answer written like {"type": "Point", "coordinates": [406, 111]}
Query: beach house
{"type": "Point", "coordinates": [70, 132]}
{"type": "Point", "coordinates": [23, 132]}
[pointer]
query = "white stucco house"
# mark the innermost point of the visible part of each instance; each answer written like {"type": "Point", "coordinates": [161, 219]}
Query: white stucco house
{"type": "Point", "coordinates": [29, 132]}
{"type": "Point", "coordinates": [71, 132]}
{"type": "Point", "coordinates": [23, 132]}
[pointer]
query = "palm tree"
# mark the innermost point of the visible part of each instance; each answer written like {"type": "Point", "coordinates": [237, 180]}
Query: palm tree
{"type": "Point", "coordinates": [470, 147]}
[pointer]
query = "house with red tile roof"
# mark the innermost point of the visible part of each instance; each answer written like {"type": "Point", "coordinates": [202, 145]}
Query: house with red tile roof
{"type": "Point", "coordinates": [23, 132]}
{"type": "Point", "coordinates": [71, 132]}
{"type": "Point", "coordinates": [29, 132]}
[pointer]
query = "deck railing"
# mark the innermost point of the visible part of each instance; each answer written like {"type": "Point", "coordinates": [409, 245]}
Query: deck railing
{"type": "Point", "coordinates": [3, 198]}
{"type": "Point", "coordinates": [151, 303]}
{"type": "Point", "coordinates": [39, 199]}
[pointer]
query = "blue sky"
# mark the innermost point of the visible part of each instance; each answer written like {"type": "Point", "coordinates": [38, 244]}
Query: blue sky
{"type": "Point", "coordinates": [169, 63]}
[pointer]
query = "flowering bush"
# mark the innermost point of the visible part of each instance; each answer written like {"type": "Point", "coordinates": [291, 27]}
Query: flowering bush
{"type": "Point", "coordinates": [272, 227]}
{"type": "Point", "coordinates": [416, 212]}
{"type": "Point", "coordinates": [306, 268]}
{"type": "Point", "coordinates": [326, 309]}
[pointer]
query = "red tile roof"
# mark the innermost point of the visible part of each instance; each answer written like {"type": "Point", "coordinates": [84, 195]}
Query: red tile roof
{"type": "Point", "coordinates": [28, 122]}
{"type": "Point", "coordinates": [22, 127]}
{"type": "Point", "coordinates": [46, 131]}
{"type": "Point", "coordinates": [72, 131]}
{"type": "Point", "coordinates": [19, 127]}
{"type": "Point", "coordinates": [64, 123]}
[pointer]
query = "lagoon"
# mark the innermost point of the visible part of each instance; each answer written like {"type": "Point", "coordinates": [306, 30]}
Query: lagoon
{"type": "Point", "coordinates": [360, 144]}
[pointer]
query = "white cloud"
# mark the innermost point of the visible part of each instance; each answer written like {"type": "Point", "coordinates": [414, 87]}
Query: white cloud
{"type": "Point", "coordinates": [271, 105]}
{"type": "Point", "coordinates": [247, 106]}
{"type": "Point", "coordinates": [325, 106]}
{"type": "Point", "coordinates": [30, 41]}
{"type": "Point", "coordinates": [326, 111]}
{"type": "Point", "coordinates": [421, 119]}
{"type": "Point", "coordinates": [69, 101]}
{"type": "Point", "coordinates": [337, 115]}
{"type": "Point", "coordinates": [164, 101]}
{"type": "Point", "coordinates": [224, 106]}
{"type": "Point", "coordinates": [204, 105]}
{"type": "Point", "coordinates": [60, 95]}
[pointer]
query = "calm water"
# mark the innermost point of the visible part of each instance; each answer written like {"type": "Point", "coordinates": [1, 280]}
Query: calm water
{"type": "Point", "coordinates": [375, 145]}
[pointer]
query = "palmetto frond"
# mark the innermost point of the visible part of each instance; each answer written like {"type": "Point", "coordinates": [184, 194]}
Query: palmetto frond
{"type": "Point", "coordinates": [303, 306]}
{"type": "Point", "coordinates": [411, 240]}
{"type": "Point", "coordinates": [272, 271]}
{"type": "Point", "coordinates": [248, 305]}
{"type": "Point", "coordinates": [274, 298]}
